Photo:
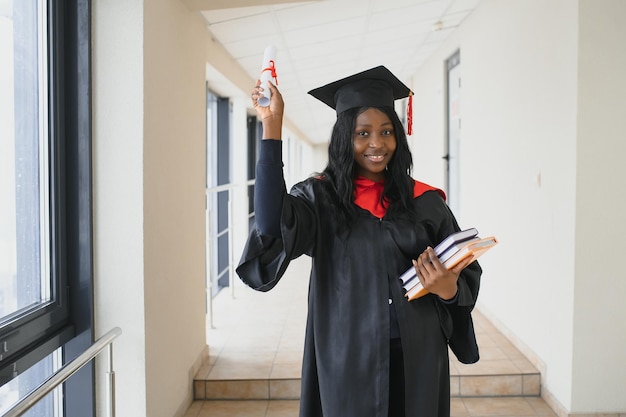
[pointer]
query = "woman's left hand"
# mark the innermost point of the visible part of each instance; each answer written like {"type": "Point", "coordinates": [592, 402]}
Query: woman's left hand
{"type": "Point", "coordinates": [435, 277]}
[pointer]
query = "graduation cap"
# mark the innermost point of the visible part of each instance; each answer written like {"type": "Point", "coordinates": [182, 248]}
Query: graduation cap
{"type": "Point", "coordinates": [376, 87]}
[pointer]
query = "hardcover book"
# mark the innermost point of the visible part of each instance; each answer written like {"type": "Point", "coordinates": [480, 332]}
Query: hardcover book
{"type": "Point", "coordinates": [450, 252]}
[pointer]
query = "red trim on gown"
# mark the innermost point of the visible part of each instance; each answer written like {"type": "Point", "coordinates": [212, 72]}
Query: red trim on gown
{"type": "Point", "coordinates": [367, 194]}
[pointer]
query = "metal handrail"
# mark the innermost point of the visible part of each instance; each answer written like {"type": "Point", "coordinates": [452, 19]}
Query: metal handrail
{"type": "Point", "coordinates": [70, 369]}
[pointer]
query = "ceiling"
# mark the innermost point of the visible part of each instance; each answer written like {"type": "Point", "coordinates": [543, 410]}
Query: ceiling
{"type": "Point", "coordinates": [318, 42]}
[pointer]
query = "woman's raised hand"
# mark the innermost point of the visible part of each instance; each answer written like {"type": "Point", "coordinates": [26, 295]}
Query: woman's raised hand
{"type": "Point", "coordinates": [271, 117]}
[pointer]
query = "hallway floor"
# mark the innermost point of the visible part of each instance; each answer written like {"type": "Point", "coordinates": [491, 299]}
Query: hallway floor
{"type": "Point", "coordinates": [255, 347]}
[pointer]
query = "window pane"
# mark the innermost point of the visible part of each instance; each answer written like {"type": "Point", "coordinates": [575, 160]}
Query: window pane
{"type": "Point", "coordinates": [24, 185]}
{"type": "Point", "coordinates": [44, 195]}
{"type": "Point", "coordinates": [16, 389]}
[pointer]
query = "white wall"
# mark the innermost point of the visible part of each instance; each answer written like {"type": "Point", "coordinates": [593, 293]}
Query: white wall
{"type": "Point", "coordinates": [118, 192]}
{"type": "Point", "coordinates": [599, 360]}
{"type": "Point", "coordinates": [149, 147]}
{"type": "Point", "coordinates": [538, 121]}
{"type": "Point", "coordinates": [519, 109]}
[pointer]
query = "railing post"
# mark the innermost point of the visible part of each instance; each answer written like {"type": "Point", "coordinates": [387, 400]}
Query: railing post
{"type": "Point", "coordinates": [231, 266]}
{"type": "Point", "coordinates": [209, 261]}
{"type": "Point", "coordinates": [111, 381]}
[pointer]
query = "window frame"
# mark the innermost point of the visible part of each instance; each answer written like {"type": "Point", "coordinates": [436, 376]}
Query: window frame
{"type": "Point", "coordinates": [67, 320]}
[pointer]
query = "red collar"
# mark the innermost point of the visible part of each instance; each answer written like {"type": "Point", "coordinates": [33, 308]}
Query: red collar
{"type": "Point", "coordinates": [367, 194]}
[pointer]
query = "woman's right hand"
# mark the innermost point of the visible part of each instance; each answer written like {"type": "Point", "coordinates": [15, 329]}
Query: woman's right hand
{"type": "Point", "coordinates": [271, 117]}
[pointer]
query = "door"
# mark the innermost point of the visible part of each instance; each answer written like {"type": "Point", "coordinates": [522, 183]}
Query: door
{"type": "Point", "coordinates": [453, 139]}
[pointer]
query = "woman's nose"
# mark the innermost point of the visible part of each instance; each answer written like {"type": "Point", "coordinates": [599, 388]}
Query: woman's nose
{"type": "Point", "coordinates": [375, 141]}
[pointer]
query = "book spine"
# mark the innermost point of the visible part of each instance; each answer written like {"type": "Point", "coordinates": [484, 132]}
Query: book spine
{"type": "Point", "coordinates": [408, 275]}
{"type": "Point", "coordinates": [411, 283]}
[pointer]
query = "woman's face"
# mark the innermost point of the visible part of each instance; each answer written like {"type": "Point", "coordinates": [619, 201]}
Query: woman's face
{"type": "Point", "coordinates": [374, 142]}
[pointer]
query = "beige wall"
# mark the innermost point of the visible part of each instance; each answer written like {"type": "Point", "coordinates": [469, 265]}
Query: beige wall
{"type": "Point", "coordinates": [540, 99]}
{"type": "Point", "coordinates": [174, 201]}
{"type": "Point", "coordinates": [149, 150]}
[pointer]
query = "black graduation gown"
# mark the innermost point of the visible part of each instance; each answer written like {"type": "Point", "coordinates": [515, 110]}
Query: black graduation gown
{"type": "Point", "coordinates": [346, 353]}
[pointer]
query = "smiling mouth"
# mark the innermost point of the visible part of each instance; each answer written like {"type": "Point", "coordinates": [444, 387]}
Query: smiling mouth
{"type": "Point", "coordinates": [375, 158]}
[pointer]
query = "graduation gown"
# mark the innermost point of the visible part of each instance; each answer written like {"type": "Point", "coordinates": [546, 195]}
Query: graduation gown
{"type": "Point", "coordinates": [345, 369]}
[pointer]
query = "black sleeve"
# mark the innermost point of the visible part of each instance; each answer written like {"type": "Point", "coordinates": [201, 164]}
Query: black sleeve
{"type": "Point", "coordinates": [265, 258]}
{"type": "Point", "coordinates": [269, 188]}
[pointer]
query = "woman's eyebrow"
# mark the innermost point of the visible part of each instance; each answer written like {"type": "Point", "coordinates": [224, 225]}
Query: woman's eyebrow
{"type": "Point", "coordinates": [369, 124]}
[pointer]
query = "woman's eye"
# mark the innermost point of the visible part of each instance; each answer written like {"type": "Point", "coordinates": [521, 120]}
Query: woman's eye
{"type": "Point", "coordinates": [387, 132]}
{"type": "Point", "coordinates": [361, 133]}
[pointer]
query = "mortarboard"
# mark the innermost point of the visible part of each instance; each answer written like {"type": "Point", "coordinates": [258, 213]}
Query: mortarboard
{"type": "Point", "coordinates": [376, 87]}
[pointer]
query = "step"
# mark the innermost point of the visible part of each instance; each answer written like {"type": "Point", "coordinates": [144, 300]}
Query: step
{"type": "Point", "coordinates": [502, 371]}
{"type": "Point", "coordinates": [502, 385]}
{"type": "Point", "coordinates": [459, 407]}
{"type": "Point", "coordinates": [255, 348]}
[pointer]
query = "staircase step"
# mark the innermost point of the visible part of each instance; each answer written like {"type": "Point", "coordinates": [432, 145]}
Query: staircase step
{"type": "Point", "coordinates": [255, 350]}
{"type": "Point", "coordinates": [459, 407]}
{"type": "Point", "coordinates": [476, 383]}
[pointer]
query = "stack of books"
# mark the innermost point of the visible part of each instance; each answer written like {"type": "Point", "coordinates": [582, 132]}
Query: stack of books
{"type": "Point", "coordinates": [450, 252]}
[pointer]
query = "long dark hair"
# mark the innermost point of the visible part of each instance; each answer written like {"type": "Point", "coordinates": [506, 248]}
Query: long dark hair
{"type": "Point", "coordinates": [338, 176]}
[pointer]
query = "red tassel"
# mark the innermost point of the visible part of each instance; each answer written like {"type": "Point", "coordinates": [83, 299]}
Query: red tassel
{"type": "Point", "coordinates": [409, 114]}
{"type": "Point", "coordinates": [272, 70]}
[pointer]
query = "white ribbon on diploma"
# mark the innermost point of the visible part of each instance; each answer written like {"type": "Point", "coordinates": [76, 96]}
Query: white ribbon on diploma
{"type": "Point", "coordinates": [268, 70]}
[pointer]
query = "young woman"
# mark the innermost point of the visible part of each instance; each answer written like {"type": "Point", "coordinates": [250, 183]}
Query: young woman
{"type": "Point", "coordinates": [369, 352]}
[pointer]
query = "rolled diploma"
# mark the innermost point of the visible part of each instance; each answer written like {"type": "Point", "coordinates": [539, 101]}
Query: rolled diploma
{"type": "Point", "coordinates": [266, 74]}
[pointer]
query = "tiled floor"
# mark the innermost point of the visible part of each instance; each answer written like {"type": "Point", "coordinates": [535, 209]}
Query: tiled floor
{"type": "Point", "coordinates": [256, 350]}
{"type": "Point", "coordinates": [467, 407]}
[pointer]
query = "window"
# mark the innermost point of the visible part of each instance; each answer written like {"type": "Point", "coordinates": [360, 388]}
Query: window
{"type": "Point", "coordinates": [45, 193]}
{"type": "Point", "coordinates": [255, 133]}
{"type": "Point", "coordinates": [219, 191]}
